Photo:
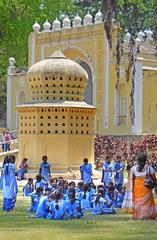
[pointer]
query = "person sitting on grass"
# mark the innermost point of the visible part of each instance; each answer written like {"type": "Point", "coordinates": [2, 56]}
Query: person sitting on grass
{"type": "Point", "coordinates": [28, 189]}
{"type": "Point", "coordinates": [39, 182]}
{"type": "Point", "coordinates": [85, 198]}
{"type": "Point", "coordinates": [57, 208]}
{"type": "Point", "coordinates": [73, 209]}
{"type": "Point", "coordinates": [43, 206]}
{"type": "Point", "coordinates": [35, 198]}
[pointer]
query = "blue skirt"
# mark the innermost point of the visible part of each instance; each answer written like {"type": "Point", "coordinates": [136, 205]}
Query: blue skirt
{"type": "Point", "coordinates": [8, 204]}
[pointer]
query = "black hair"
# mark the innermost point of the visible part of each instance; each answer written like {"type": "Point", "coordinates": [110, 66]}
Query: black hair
{"type": "Point", "coordinates": [58, 195]}
{"type": "Point", "coordinates": [39, 190]}
{"type": "Point", "coordinates": [38, 177]}
{"type": "Point", "coordinates": [141, 161]}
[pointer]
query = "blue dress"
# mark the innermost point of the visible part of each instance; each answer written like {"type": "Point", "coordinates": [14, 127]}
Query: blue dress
{"type": "Point", "coordinates": [27, 190]}
{"type": "Point", "coordinates": [34, 202]}
{"type": "Point", "coordinates": [43, 207]}
{"type": "Point", "coordinates": [119, 175]}
{"type": "Point", "coordinates": [57, 213]}
{"type": "Point", "coordinates": [86, 173]}
{"type": "Point", "coordinates": [107, 173]}
{"type": "Point", "coordinates": [74, 210]}
{"type": "Point", "coordinates": [9, 187]}
{"type": "Point", "coordinates": [45, 170]}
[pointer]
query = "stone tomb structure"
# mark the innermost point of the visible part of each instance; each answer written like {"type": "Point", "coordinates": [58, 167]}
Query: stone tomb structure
{"type": "Point", "coordinates": [56, 122]}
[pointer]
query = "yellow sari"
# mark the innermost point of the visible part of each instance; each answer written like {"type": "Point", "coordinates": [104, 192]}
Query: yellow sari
{"type": "Point", "coordinates": [143, 200]}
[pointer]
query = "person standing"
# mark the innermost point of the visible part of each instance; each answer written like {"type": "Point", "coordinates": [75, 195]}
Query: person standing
{"type": "Point", "coordinates": [119, 173]}
{"type": "Point", "coordinates": [86, 172]}
{"type": "Point", "coordinates": [44, 169]}
{"type": "Point", "coordinates": [7, 139]}
{"type": "Point", "coordinates": [107, 172]}
{"type": "Point", "coordinates": [3, 141]}
{"type": "Point", "coordinates": [9, 186]}
{"type": "Point", "coordinates": [142, 196]}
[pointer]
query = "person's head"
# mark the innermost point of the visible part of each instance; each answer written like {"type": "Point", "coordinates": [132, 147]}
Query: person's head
{"type": "Point", "coordinates": [101, 192]}
{"type": "Point", "coordinates": [38, 177]}
{"type": "Point", "coordinates": [85, 160]}
{"type": "Point", "coordinates": [110, 184]}
{"type": "Point", "coordinates": [107, 159]}
{"type": "Point", "coordinates": [123, 190]}
{"type": "Point", "coordinates": [12, 159]}
{"type": "Point", "coordinates": [25, 159]}
{"type": "Point", "coordinates": [60, 186]}
{"type": "Point", "coordinates": [100, 187]}
{"type": "Point", "coordinates": [30, 181]}
{"type": "Point", "coordinates": [118, 158]}
{"type": "Point", "coordinates": [142, 159]}
{"type": "Point", "coordinates": [44, 159]}
{"type": "Point", "coordinates": [39, 191]}
{"type": "Point", "coordinates": [85, 187]}
{"type": "Point", "coordinates": [72, 185]}
{"type": "Point", "coordinates": [58, 196]}
{"type": "Point", "coordinates": [72, 197]}
{"type": "Point", "coordinates": [65, 184]}
{"type": "Point", "coordinates": [51, 197]}
{"type": "Point", "coordinates": [80, 185]}
{"type": "Point", "coordinates": [47, 191]}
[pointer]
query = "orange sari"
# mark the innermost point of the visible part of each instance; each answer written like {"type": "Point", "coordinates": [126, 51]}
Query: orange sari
{"type": "Point", "coordinates": [143, 200]}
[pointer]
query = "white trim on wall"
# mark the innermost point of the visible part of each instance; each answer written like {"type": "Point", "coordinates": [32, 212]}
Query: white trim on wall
{"type": "Point", "coordinates": [138, 94]}
{"type": "Point", "coordinates": [106, 85]}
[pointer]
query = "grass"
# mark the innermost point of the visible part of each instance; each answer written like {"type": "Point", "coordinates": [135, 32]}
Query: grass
{"type": "Point", "coordinates": [20, 225]}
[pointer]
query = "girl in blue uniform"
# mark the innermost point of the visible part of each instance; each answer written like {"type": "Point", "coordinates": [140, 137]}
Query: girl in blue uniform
{"type": "Point", "coordinates": [86, 172]}
{"type": "Point", "coordinates": [57, 208]}
{"type": "Point", "coordinates": [107, 172]}
{"type": "Point", "coordinates": [73, 209]}
{"type": "Point", "coordinates": [119, 173]}
{"type": "Point", "coordinates": [35, 198]}
{"type": "Point", "coordinates": [43, 206]}
{"type": "Point", "coordinates": [9, 185]}
{"type": "Point", "coordinates": [29, 188]}
{"type": "Point", "coordinates": [85, 198]}
{"type": "Point", "coordinates": [44, 169]}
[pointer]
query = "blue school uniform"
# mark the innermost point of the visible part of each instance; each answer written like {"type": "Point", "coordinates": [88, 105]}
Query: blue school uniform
{"type": "Point", "coordinates": [86, 173]}
{"type": "Point", "coordinates": [34, 202]}
{"type": "Point", "coordinates": [42, 184]}
{"type": "Point", "coordinates": [9, 187]}
{"type": "Point", "coordinates": [85, 200]}
{"type": "Point", "coordinates": [74, 210]}
{"type": "Point", "coordinates": [45, 170]}
{"type": "Point", "coordinates": [119, 176]}
{"type": "Point", "coordinates": [107, 174]}
{"type": "Point", "coordinates": [98, 208]}
{"type": "Point", "coordinates": [57, 214]}
{"type": "Point", "coordinates": [118, 200]}
{"type": "Point", "coordinates": [28, 190]}
{"type": "Point", "coordinates": [43, 207]}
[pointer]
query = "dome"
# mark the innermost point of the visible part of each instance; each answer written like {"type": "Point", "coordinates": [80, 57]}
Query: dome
{"type": "Point", "coordinates": [88, 19]}
{"type": "Point", "coordinates": [77, 22]}
{"type": "Point", "coordinates": [141, 35]}
{"type": "Point", "coordinates": [56, 25]}
{"type": "Point", "coordinates": [127, 37]}
{"type": "Point", "coordinates": [149, 34]}
{"type": "Point", "coordinates": [66, 23]}
{"type": "Point", "coordinates": [98, 17]}
{"type": "Point", "coordinates": [47, 26]}
{"type": "Point", "coordinates": [36, 27]}
{"type": "Point", "coordinates": [57, 78]}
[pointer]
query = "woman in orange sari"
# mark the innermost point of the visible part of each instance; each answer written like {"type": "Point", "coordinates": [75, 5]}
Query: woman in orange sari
{"type": "Point", "coordinates": [142, 197]}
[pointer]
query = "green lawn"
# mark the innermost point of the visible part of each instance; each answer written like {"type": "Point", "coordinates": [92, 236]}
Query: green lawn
{"type": "Point", "coordinates": [20, 225]}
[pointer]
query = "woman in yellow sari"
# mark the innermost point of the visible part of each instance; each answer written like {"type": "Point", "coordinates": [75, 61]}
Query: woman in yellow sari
{"type": "Point", "coordinates": [138, 199]}
{"type": "Point", "coordinates": [142, 198]}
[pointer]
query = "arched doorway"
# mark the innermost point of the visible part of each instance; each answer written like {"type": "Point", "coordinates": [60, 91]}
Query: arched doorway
{"type": "Point", "coordinates": [89, 89]}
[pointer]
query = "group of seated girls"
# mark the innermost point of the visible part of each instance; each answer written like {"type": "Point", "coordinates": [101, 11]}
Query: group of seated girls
{"type": "Point", "coordinates": [61, 200]}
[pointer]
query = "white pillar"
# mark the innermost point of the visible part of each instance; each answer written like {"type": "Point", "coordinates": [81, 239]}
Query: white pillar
{"type": "Point", "coordinates": [116, 106]}
{"type": "Point", "coordinates": [10, 71]}
{"type": "Point", "coordinates": [106, 80]}
{"type": "Point", "coordinates": [138, 95]}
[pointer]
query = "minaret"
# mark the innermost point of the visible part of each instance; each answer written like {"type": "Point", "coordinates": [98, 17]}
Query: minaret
{"type": "Point", "coordinates": [57, 123]}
